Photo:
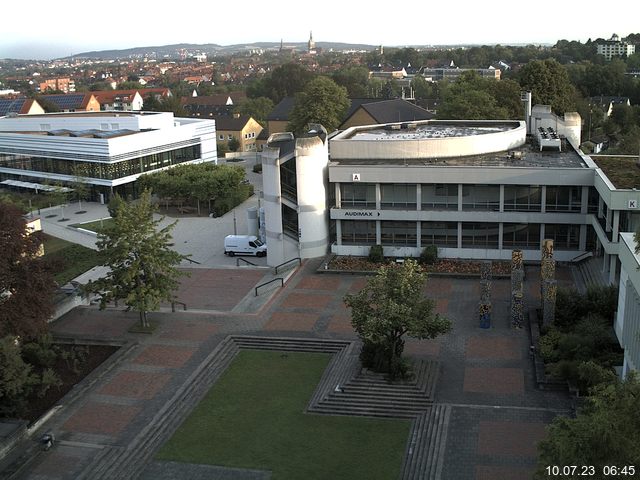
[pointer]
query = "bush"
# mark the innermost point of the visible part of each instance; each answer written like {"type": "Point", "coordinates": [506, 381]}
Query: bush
{"type": "Point", "coordinates": [429, 255]}
{"type": "Point", "coordinates": [257, 168]}
{"type": "Point", "coordinates": [376, 254]}
{"type": "Point", "coordinates": [590, 374]}
{"type": "Point", "coordinates": [39, 354]}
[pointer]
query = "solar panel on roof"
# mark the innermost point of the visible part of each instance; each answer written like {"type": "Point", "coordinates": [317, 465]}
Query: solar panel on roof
{"type": "Point", "coordinates": [11, 106]}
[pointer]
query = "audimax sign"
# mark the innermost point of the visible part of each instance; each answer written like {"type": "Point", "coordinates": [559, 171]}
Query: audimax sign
{"type": "Point", "coordinates": [360, 213]}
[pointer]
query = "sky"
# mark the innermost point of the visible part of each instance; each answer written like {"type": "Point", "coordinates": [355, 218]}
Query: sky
{"type": "Point", "coordinates": [48, 32]}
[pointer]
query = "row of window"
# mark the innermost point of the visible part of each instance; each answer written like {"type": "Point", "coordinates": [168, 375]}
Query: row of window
{"type": "Point", "coordinates": [474, 197]}
{"type": "Point", "coordinates": [102, 170]}
{"type": "Point", "coordinates": [230, 137]}
{"type": "Point", "coordinates": [445, 234]}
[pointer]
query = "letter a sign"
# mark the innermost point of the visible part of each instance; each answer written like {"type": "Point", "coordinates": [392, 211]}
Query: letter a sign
{"type": "Point", "coordinates": [355, 177]}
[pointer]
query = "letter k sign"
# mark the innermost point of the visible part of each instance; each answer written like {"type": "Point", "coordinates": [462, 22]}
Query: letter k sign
{"type": "Point", "coordinates": [633, 204]}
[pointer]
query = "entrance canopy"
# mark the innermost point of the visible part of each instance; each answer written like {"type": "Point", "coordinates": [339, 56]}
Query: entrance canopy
{"type": "Point", "coordinates": [35, 186]}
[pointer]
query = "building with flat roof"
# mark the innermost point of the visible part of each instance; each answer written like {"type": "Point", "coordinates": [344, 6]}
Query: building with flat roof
{"type": "Point", "coordinates": [614, 47]}
{"type": "Point", "coordinates": [109, 150]}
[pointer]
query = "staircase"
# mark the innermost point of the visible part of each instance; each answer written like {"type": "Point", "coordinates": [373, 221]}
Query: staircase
{"type": "Point", "coordinates": [589, 272]}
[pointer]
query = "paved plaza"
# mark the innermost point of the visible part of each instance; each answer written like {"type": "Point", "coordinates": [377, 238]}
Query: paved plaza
{"type": "Point", "coordinates": [487, 378]}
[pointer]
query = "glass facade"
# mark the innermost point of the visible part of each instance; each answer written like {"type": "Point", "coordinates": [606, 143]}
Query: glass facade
{"type": "Point", "coordinates": [358, 195]}
{"type": "Point", "coordinates": [440, 196]}
{"type": "Point", "coordinates": [401, 196]}
{"type": "Point", "coordinates": [565, 237]}
{"type": "Point", "coordinates": [401, 234]}
{"type": "Point", "coordinates": [480, 235]}
{"type": "Point", "coordinates": [522, 198]}
{"type": "Point", "coordinates": [521, 235]}
{"type": "Point", "coordinates": [100, 170]}
{"type": "Point", "coordinates": [441, 234]}
{"type": "Point", "coordinates": [356, 232]}
{"type": "Point", "coordinates": [563, 199]}
{"type": "Point", "coordinates": [481, 197]}
{"type": "Point", "coordinates": [288, 180]}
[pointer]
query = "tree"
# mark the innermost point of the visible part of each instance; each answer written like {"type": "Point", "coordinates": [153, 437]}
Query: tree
{"type": "Point", "coordinates": [549, 84]}
{"type": "Point", "coordinates": [80, 184]}
{"type": "Point", "coordinates": [258, 108]}
{"type": "Point", "coordinates": [26, 286]}
{"type": "Point", "coordinates": [389, 307]}
{"type": "Point", "coordinates": [233, 144]}
{"type": "Point", "coordinates": [604, 433]}
{"type": "Point", "coordinates": [284, 81]}
{"type": "Point", "coordinates": [16, 377]}
{"type": "Point", "coordinates": [142, 267]}
{"type": "Point", "coordinates": [322, 101]}
{"type": "Point", "coordinates": [354, 79]}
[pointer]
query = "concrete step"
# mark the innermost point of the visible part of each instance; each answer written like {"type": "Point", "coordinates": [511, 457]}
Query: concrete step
{"type": "Point", "coordinates": [341, 409]}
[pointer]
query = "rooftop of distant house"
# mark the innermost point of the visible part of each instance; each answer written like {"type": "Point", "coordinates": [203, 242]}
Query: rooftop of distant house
{"type": "Point", "coordinates": [622, 171]}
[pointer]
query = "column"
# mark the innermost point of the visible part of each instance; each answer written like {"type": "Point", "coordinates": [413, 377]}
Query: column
{"type": "Point", "coordinates": [500, 235]}
{"type": "Point", "coordinates": [584, 205]}
{"type": "Point", "coordinates": [338, 195]}
{"type": "Point", "coordinates": [613, 266]}
{"type": "Point", "coordinates": [616, 225]}
{"type": "Point", "coordinates": [459, 234]}
{"type": "Point", "coordinates": [543, 199]}
{"type": "Point", "coordinates": [339, 232]}
{"type": "Point", "coordinates": [378, 197]}
{"type": "Point", "coordinates": [501, 198]}
{"type": "Point", "coordinates": [459, 197]}
{"type": "Point", "coordinates": [583, 238]}
{"type": "Point", "coordinates": [378, 233]}
{"type": "Point", "coordinates": [418, 197]}
{"type": "Point", "coordinates": [419, 234]}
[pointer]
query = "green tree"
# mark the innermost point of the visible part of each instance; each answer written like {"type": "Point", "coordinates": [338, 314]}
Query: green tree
{"type": "Point", "coordinates": [322, 101]}
{"type": "Point", "coordinates": [391, 306]}
{"type": "Point", "coordinates": [354, 79]}
{"type": "Point", "coordinates": [26, 285]}
{"type": "Point", "coordinates": [604, 432]}
{"type": "Point", "coordinates": [549, 84]}
{"type": "Point", "coordinates": [16, 377]}
{"type": "Point", "coordinates": [80, 184]}
{"type": "Point", "coordinates": [233, 144]}
{"type": "Point", "coordinates": [143, 269]}
{"type": "Point", "coordinates": [258, 108]}
{"type": "Point", "coordinates": [284, 81]}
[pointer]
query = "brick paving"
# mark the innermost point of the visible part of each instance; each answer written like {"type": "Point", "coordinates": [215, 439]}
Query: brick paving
{"type": "Point", "coordinates": [497, 381]}
{"type": "Point", "coordinates": [486, 377]}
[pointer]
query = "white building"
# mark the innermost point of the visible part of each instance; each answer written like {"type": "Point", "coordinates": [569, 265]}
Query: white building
{"type": "Point", "coordinates": [109, 149]}
{"type": "Point", "coordinates": [614, 47]}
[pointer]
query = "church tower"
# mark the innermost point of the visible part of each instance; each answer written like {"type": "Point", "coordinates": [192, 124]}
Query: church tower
{"type": "Point", "coordinates": [311, 44]}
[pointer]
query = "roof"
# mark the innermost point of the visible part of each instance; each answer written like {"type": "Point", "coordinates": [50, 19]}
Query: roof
{"type": "Point", "coordinates": [220, 99]}
{"type": "Point", "coordinates": [605, 101]}
{"type": "Point", "coordinates": [69, 101]}
{"type": "Point", "coordinates": [145, 92]}
{"type": "Point", "coordinates": [16, 105]}
{"type": "Point", "coordinates": [109, 96]}
{"type": "Point", "coordinates": [396, 110]}
{"type": "Point", "coordinates": [282, 110]}
{"type": "Point", "coordinates": [231, 123]}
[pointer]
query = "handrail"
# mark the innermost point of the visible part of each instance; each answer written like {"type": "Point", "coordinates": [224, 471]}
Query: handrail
{"type": "Point", "coordinates": [289, 261]}
{"type": "Point", "coordinates": [267, 283]}
{"type": "Point", "coordinates": [192, 261]}
{"type": "Point", "coordinates": [580, 257]}
{"type": "Point", "coordinates": [173, 305]}
{"type": "Point", "coordinates": [238, 260]}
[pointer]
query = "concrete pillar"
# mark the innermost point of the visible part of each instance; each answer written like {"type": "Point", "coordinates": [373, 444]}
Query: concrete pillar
{"type": "Point", "coordinates": [459, 234]}
{"type": "Point", "coordinates": [500, 235]}
{"type": "Point", "coordinates": [584, 201]}
{"type": "Point", "coordinates": [616, 225]}
{"type": "Point", "coordinates": [541, 233]}
{"type": "Point", "coordinates": [378, 233]}
{"type": "Point", "coordinates": [600, 207]}
{"type": "Point", "coordinates": [419, 197]}
{"type": "Point", "coordinates": [338, 195]}
{"type": "Point", "coordinates": [613, 266]}
{"type": "Point", "coordinates": [608, 220]}
{"type": "Point", "coordinates": [501, 198]}
{"type": "Point", "coordinates": [378, 196]}
{"type": "Point", "coordinates": [583, 238]}
{"type": "Point", "coordinates": [459, 197]}
{"type": "Point", "coordinates": [419, 234]}
{"type": "Point", "coordinates": [605, 262]}
{"type": "Point", "coordinates": [543, 199]}
{"type": "Point", "coordinates": [339, 232]}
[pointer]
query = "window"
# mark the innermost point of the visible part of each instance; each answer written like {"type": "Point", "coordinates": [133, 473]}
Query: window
{"type": "Point", "coordinates": [440, 234]}
{"type": "Point", "coordinates": [480, 235]}
{"type": "Point", "coordinates": [229, 137]}
{"type": "Point", "coordinates": [521, 235]}
{"type": "Point", "coordinates": [522, 198]}
{"type": "Point", "coordinates": [221, 137]}
{"type": "Point", "coordinates": [441, 196]}
{"type": "Point", "coordinates": [563, 199]}
{"type": "Point", "coordinates": [565, 237]}
{"type": "Point", "coordinates": [358, 195]}
{"type": "Point", "coordinates": [400, 196]}
{"type": "Point", "coordinates": [402, 234]}
{"type": "Point", "coordinates": [481, 197]}
{"type": "Point", "coordinates": [358, 232]}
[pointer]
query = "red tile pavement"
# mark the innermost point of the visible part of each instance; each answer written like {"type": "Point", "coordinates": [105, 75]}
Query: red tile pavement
{"type": "Point", "coordinates": [340, 324]}
{"type": "Point", "coordinates": [494, 380]}
{"type": "Point", "coordinates": [320, 282]}
{"type": "Point", "coordinates": [510, 438]}
{"type": "Point", "coordinates": [422, 347]}
{"type": "Point", "coordinates": [101, 418]}
{"type": "Point", "coordinates": [216, 289]}
{"type": "Point", "coordinates": [503, 473]}
{"type": "Point", "coordinates": [357, 284]}
{"type": "Point", "coordinates": [504, 348]}
{"type": "Point", "coordinates": [306, 300]}
{"type": "Point", "coordinates": [165, 356]}
{"type": "Point", "coordinates": [437, 287]}
{"type": "Point", "coordinates": [140, 385]}
{"type": "Point", "coordinates": [442, 306]}
{"type": "Point", "coordinates": [290, 321]}
{"type": "Point", "coordinates": [189, 330]}
{"type": "Point", "coordinates": [94, 322]}
{"type": "Point", "coordinates": [58, 464]}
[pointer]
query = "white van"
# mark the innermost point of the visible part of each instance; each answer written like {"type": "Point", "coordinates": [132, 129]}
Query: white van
{"type": "Point", "coordinates": [244, 245]}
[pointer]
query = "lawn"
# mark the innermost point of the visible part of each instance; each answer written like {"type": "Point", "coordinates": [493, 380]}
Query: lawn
{"type": "Point", "coordinates": [94, 226]}
{"type": "Point", "coordinates": [253, 417]}
{"type": "Point", "coordinates": [70, 259]}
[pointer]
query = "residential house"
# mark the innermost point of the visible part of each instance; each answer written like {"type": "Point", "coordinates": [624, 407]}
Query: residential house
{"type": "Point", "coordinates": [22, 106]}
{"type": "Point", "coordinates": [606, 103]}
{"type": "Point", "coordinates": [66, 85]}
{"type": "Point", "coordinates": [212, 105]}
{"type": "Point", "coordinates": [242, 127]}
{"type": "Point", "coordinates": [121, 100]}
{"type": "Point", "coordinates": [372, 111]}
{"type": "Point", "coordinates": [74, 102]}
